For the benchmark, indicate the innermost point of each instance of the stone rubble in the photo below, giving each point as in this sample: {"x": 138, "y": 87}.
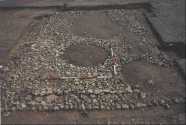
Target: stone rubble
{"x": 42, "y": 57}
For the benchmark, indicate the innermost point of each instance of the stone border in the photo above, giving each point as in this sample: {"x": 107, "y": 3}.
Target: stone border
{"x": 165, "y": 103}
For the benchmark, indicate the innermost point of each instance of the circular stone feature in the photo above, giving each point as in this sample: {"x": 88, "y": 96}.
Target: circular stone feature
{"x": 85, "y": 55}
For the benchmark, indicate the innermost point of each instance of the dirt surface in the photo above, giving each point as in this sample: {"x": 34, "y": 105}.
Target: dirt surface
{"x": 95, "y": 25}
{"x": 13, "y": 24}
{"x": 84, "y": 55}
{"x": 146, "y": 89}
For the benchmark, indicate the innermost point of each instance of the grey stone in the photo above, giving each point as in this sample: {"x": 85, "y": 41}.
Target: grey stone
{"x": 45, "y": 108}
{"x": 6, "y": 114}
{"x": 125, "y": 106}
{"x": 83, "y": 106}
{"x": 140, "y": 105}
{"x": 56, "y": 108}
{"x": 61, "y": 106}
{"x": 118, "y": 106}
{"x": 1, "y": 66}
{"x": 129, "y": 89}
{"x": 36, "y": 93}
{"x": 71, "y": 106}
{"x": 131, "y": 106}
{"x": 90, "y": 91}
{"x": 142, "y": 95}
{"x": 102, "y": 107}
{"x": 13, "y": 108}
{"x": 43, "y": 103}
{"x": 167, "y": 106}
{"x": 38, "y": 99}
{"x": 23, "y": 105}
{"x": 67, "y": 107}
{"x": 150, "y": 82}
{"x": 162, "y": 101}
{"x": 34, "y": 108}
{"x": 137, "y": 90}
{"x": 176, "y": 100}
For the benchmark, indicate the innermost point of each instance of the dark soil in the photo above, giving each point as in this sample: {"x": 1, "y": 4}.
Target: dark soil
{"x": 85, "y": 55}
{"x": 95, "y": 25}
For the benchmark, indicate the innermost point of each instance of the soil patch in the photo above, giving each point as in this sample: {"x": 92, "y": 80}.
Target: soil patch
{"x": 95, "y": 25}
{"x": 85, "y": 55}
{"x": 155, "y": 80}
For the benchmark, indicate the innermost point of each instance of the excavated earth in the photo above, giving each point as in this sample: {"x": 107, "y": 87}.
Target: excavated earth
{"x": 65, "y": 62}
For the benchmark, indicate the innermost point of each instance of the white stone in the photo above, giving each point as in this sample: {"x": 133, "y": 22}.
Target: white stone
{"x": 1, "y": 66}
{"x": 129, "y": 89}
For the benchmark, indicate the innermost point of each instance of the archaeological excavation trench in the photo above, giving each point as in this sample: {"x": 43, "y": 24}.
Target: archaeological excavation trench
{"x": 91, "y": 60}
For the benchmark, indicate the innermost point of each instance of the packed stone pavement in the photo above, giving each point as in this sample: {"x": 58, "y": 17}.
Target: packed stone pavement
{"x": 40, "y": 56}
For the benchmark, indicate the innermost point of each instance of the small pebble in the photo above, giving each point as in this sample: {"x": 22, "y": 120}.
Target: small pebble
{"x": 167, "y": 106}
{"x": 13, "y": 108}
{"x": 56, "y": 108}
{"x": 125, "y": 106}
{"x": 150, "y": 82}
{"x": 140, "y": 105}
{"x": 162, "y": 101}
{"x": 131, "y": 106}
{"x": 143, "y": 95}
{"x": 176, "y": 100}
{"x": 6, "y": 114}
{"x": 23, "y": 105}
{"x": 34, "y": 108}
{"x": 1, "y": 66}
